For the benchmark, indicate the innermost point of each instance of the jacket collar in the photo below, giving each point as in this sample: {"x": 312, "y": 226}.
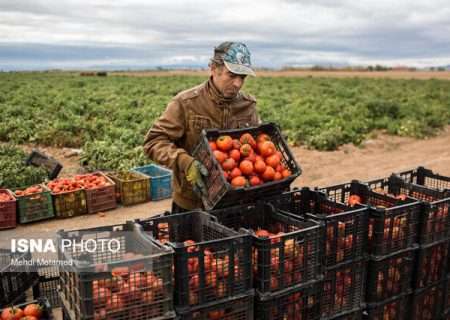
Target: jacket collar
{"x": 216, "y": 95}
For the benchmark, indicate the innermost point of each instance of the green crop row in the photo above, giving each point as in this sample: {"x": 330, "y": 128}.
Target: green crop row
{"x": 109, "y": 116}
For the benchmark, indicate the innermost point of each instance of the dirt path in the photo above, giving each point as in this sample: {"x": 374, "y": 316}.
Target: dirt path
{"x": 377, "y": 158}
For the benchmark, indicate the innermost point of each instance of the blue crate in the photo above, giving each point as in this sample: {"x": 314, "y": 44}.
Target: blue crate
{"x": 160, "y": 181}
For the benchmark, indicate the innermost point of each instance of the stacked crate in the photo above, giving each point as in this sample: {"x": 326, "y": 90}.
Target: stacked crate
{"x": 286, "y": 254}
{"x": 345, "y": 239}
{"x": 212, "y": 265}
{"x": 392, "y": 238}
{"x": 430, "y": 296}
{"x": 120, "y": 273}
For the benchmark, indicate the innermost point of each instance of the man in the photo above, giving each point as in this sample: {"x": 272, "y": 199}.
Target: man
{"x": 216, "y": 103}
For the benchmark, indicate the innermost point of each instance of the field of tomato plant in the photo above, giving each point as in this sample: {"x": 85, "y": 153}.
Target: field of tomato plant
{"x": 108, "y": 116}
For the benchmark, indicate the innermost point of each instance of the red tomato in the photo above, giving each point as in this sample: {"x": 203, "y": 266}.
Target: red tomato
{"x": 224, "y": 143}
{"x": 12, "y": 313}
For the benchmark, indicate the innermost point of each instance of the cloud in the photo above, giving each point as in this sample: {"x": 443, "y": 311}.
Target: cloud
{"x": 70, "y": 33}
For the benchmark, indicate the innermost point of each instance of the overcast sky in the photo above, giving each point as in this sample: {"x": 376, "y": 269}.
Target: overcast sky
{"x": 43, "y": 34}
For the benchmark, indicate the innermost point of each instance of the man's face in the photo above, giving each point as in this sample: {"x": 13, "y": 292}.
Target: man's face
{"x": 227, "y": 82}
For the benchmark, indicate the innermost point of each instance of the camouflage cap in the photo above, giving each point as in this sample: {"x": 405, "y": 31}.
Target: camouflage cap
{"x": 235, "y": 56}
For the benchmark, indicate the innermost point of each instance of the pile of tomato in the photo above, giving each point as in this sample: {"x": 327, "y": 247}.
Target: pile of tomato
{"x": 293, "y": 261}
{"x": 86, "y": 181}
{"x": 33, "y": 311}
{"x": 5, "y": 197}
{"x": 29, "y": 191}
{"x": 249, "y": 161}
{"x": 216, "y": 270}
{"x": 127, "y": 287}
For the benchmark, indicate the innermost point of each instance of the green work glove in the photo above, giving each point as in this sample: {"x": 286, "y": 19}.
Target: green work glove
{"x": 195, "y": 174}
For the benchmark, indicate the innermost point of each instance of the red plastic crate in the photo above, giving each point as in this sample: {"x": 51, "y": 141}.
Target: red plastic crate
{"x": 101, "y": 198}
{"x": 8, "y": 215}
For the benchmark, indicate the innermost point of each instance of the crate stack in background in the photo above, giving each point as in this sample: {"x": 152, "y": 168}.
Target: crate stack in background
{"x": 391, "y": 246}
{"x": 343, "y": 256}
{"x": 430, "y": 297}
{"x": 134, "y": 280}
{"x": 212, "y": 265}
{"x": 286, "y": 257}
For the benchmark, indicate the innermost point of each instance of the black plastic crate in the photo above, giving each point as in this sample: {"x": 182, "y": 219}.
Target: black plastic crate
{"x": 393, "y": 223}
{"x": 213, "y": 265}
{"x": 427, "y": 303}
{"x": 352, "y": 315}
{"x": 346, "y": 227}
{"x": 446, "y": 302}
{"x": 297, "y": 303}
{"x": 389, "y": 276}
{"x": 427, "y": 178}
{"x": 220, "y": 193}
{"x": 47, "y": 313}
{"x": 14, "y": 279}
{"x": 131, "y": 280}
{"x": 233, "y": 308}
{"x": 49, "y": 280}
{"x": 431, "y": 264}
{"x": 343, "y": 289}
{"x": 434, "y": 223}
{"x": 395, "y": 308}
{"x": 50, "y": 164}
{"x": 289, "y": 254}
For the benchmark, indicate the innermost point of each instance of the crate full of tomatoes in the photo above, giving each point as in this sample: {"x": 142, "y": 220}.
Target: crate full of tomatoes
{"x": 212, "y": 262}
{"x": 435, "y": 220}
{"x": 125, "y": 275}
{"x": 7, "y": 209}
{"x": 69, "y": 198}
{"x": 245, "y": 164}
{"x": 34, "y": 203}
{"x": 346, "y": 226}
{"x": 393, "y": 219}
{"x": 100, "y": 191}
{"x": 286, "y": 249}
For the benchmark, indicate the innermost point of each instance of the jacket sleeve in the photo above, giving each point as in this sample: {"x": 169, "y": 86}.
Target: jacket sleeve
{"x": 160, "y": 141}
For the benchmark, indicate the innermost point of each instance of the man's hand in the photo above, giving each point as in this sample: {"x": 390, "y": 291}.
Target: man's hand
{"x": 195, "y": 174}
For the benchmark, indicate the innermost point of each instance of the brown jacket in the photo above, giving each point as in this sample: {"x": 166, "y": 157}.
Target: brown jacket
{"x": 174, "y": 135}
